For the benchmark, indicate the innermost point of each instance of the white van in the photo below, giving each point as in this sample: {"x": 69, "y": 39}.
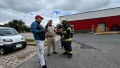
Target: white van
{"x": 10, "y": 40}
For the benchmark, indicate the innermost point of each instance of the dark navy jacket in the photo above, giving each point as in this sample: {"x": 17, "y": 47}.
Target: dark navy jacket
{"x": 37, "y": 31}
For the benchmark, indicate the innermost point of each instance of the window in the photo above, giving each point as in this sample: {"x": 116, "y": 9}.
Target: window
{"x": 7, "y": 32}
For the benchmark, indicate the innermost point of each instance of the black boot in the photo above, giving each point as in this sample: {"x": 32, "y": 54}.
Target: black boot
{"x": 44, "y": 66}
{"x": 48, "y": 54}
{"x": 69, "y": 56}
{"x": 65, "y": 53}
{"x": 55, "y": 52}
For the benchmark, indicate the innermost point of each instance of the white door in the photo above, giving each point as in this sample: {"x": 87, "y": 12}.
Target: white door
{"x": 101, "y": 27}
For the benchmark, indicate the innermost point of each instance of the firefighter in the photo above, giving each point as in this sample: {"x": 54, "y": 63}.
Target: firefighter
{"x": 67, "y": 38}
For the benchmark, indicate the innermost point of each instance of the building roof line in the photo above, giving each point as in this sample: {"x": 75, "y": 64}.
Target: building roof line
{"x": 91, "y": 11}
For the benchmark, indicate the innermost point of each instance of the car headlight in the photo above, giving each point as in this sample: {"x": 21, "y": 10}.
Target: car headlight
{"x": 7, "y": 40}
{"x": 1, "y": 44}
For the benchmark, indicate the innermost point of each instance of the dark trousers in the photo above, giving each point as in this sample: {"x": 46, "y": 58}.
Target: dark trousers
{"x": 62, "y": 42}
{"x": 68, "y": 47}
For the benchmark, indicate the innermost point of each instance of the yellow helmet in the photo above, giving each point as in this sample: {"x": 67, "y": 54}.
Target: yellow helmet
{"x": 63, "y": 20}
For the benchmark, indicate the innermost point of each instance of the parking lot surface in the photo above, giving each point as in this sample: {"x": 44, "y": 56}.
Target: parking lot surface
{"x": 89, "y": 51}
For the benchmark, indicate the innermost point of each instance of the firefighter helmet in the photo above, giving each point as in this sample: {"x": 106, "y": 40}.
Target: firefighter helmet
{"x": 63, "y": 20}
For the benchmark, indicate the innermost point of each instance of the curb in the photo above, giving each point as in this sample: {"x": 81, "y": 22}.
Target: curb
{"x": 31, "y": 44}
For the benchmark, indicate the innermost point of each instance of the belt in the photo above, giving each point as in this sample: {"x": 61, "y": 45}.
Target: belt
{"x": 49, "y": 36}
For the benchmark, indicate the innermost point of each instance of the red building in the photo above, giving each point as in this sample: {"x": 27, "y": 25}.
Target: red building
{"x": 101, "y": 20}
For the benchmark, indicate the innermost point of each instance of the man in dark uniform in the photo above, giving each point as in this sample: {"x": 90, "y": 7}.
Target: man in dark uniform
{"x": 67, "y": 37}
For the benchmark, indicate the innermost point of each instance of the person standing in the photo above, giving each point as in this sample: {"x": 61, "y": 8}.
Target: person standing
{"x": 67, "y": 38}
{"x": 39, "y": 35}
{"x": 50, "y": 34}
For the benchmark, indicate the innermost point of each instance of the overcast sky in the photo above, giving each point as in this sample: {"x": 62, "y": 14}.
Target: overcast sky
{"x": 26, "y": 10}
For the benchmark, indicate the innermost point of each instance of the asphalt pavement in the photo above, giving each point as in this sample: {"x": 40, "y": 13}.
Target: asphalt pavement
{"x": 89, "y": 51}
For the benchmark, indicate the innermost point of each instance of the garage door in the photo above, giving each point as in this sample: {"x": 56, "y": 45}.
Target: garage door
{"x": 101, "y": 26}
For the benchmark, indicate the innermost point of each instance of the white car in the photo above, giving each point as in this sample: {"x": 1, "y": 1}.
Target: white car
{"x": 10, "y": 40}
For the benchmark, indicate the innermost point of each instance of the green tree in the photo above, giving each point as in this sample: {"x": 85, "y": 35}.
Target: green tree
{"x": 19, "y": 25}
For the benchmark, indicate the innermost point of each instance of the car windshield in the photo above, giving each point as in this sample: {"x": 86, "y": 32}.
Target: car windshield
{"x": 7, "y": 32}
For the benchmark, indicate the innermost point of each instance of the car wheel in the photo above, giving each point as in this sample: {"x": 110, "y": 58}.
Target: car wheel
{"x": 2, "y": 51}
{"x": 24, "y": 46}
